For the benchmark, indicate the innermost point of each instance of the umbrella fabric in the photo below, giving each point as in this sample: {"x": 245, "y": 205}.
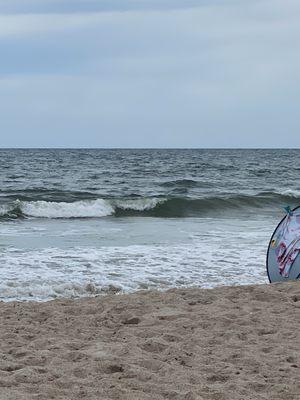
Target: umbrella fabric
{"x": 287, "y": 243}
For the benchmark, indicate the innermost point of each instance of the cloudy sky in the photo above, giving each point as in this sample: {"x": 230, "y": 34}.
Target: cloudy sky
{"x": 149, "y": 73}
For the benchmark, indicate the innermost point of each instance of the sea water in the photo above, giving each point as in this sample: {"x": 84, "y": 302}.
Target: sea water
{"x": 86, "y": 222}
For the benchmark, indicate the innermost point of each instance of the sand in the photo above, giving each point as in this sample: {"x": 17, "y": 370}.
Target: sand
{"x": 225, "y": 343}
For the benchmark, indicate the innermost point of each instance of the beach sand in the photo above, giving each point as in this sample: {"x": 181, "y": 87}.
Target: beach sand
{"x": 225, "y": 343}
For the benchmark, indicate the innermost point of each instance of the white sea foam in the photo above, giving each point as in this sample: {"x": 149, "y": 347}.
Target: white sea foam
{"x": 224, "y": 253}
{"x": 81, "y": 209}
{"x": 138, "y": 204}
{"x": 290, "y": 192}
{"x": 5, "y": 208}
{"x": 78, "y": 209}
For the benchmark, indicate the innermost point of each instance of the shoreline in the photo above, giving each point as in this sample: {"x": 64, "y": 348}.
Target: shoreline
{"x": 229, "y": 342}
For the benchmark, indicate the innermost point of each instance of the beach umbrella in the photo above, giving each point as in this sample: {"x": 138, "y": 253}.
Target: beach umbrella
{"x": 283, "y": 260}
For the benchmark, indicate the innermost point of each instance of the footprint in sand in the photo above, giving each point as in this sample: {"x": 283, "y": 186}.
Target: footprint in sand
{"x": 154, "y": 347}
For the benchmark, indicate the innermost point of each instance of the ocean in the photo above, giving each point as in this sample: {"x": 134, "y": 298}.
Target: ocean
{"x": 85, "y": 222}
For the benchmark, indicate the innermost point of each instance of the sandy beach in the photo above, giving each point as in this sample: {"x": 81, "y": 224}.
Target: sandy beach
{"x": 225, "y": 343}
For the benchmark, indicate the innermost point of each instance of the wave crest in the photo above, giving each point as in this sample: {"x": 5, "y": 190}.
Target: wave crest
{"x": 172, "y": 207}
{"x": 78, "y": 209}
{"x": 142, "y": 204}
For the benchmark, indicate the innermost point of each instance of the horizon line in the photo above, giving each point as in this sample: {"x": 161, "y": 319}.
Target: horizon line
{"x": 149, "y": 148}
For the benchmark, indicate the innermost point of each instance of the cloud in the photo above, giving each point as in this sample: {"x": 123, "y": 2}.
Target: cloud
{"x": 220, "y": 74}
{"x": 79, "y": 6}
{"x": 18, "y": 25}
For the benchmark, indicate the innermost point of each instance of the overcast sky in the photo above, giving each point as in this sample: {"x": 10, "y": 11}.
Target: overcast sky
{"x": 149, "y": 73}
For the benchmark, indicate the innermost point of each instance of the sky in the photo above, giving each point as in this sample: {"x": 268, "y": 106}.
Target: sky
{"x": 149, "y": 73}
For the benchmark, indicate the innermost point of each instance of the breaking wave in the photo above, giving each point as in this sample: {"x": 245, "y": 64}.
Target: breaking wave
{"x": 290, "y": 192}
{"x": 78, "y": 209}
{"x": 154, "y": 207}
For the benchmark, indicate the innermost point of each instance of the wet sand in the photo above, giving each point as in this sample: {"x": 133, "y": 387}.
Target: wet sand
{"x": 230, "y": 343}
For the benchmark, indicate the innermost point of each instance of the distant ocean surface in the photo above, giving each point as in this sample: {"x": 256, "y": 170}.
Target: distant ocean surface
{"x": 84, "y": 222}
